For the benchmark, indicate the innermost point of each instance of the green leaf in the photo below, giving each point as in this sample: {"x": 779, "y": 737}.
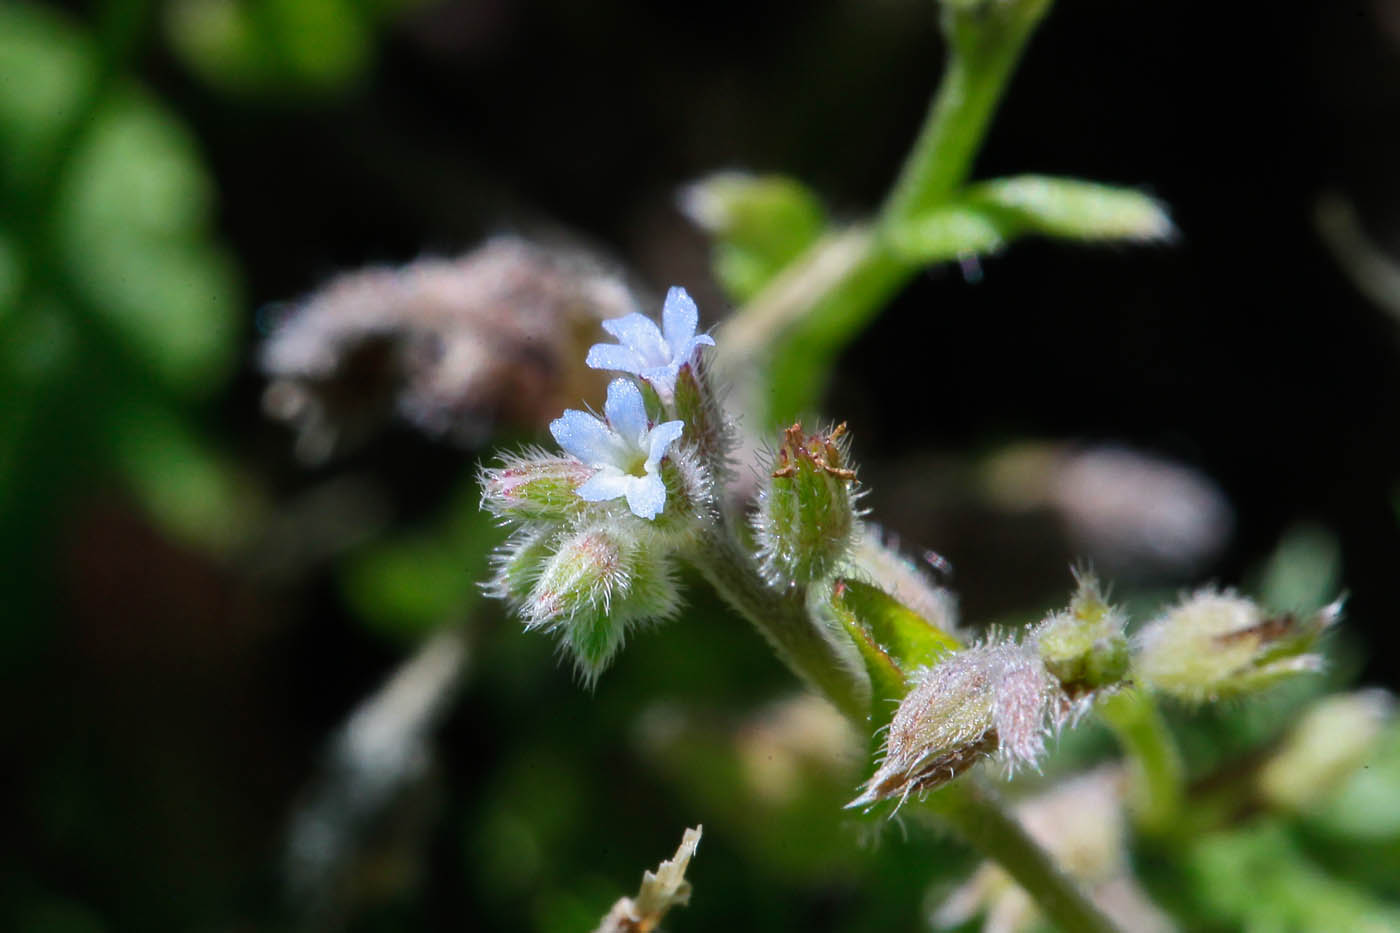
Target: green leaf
{"x": 1304, "y": 573}
{"x": 182, "y": 482}
{"x": 892, "y": 640}
{"x": 407, "y": 587}
{"x": 132, "y": 218}
{"x": 46, "y": 69}
{"x": 759, "y": 223}
{"x": 1259, "y": 878}
{"x": 276, "y": 47}
{"x": 985, "y": 217}
{"x": 903, "y": 634}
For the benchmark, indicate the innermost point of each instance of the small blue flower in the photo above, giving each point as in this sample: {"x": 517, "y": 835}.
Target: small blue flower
{"x": 624, "y": 450}
{"x": 652, "y": 353}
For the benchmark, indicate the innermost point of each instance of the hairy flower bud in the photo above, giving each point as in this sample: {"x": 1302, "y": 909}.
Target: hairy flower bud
{"x": 1084, "y": 647}
{"x": 709, "y": 430}
{"x": 534, "y": 486}
{"x": 806, "y": 517}
{"x": 1214, "y": 645}
{"x": 994, "y": 698}
{"x": 518, "y": 563}
{"x": 596, "y": 584}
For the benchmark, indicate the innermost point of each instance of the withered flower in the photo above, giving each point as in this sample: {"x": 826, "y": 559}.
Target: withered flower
{"x": 451, "y": 346}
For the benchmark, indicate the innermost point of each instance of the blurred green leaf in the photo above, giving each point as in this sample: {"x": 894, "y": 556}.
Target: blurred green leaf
{"x": 1367, "y": 807}
{"x": 1259, "y": 879}
{"x": 131, "y": 220}
{"x": 985, "y": 217}
{"x": 759, "y": 225}
{"x": 275, "y": 46}
{"x": 46, "y": 69}
{"x": 1304, "y": 573}
{"x": 114, "y": 299}
{"x": 407, "y": 587}
{"x": 193, "y": 492}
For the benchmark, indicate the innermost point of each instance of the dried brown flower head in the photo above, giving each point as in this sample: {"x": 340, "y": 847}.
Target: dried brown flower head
{"x": 451, "y": 346}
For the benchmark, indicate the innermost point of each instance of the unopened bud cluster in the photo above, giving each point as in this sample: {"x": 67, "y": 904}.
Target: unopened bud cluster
{"x": 597, "y": 530}
{"x": 1001, "y": 698}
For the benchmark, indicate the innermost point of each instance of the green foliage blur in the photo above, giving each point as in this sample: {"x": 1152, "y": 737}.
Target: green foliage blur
{"x": 191, "y": 620}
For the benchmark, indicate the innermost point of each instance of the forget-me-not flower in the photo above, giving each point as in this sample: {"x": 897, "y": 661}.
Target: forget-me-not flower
{"x": 653, "y": 353}
{"x": 625, "y": 450}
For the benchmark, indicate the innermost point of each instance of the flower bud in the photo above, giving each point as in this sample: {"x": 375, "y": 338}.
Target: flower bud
{"x": 1215, "y": 645}
{"x": 994, "y": 698}
{"x": 708, "y": 430}
{"x": 518, "y": 563}
{"x": 535, "y": 487}
{"x": 1084, "y": 647}
{"x": 596, "y": 584}
{"x": 806, "y": 517}
{"x": 1332, "y": 740}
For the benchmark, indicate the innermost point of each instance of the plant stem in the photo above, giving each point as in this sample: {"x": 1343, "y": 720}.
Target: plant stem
{"x": 784, "y": 620}
{"x": 833, "y": 290}
{"x": 981, "y": 819}
{"x": 975, "y": 813}
{"x": 1158, "y": 781}
{"x": 985, "y": 43}
{"x": 825, "y": 295}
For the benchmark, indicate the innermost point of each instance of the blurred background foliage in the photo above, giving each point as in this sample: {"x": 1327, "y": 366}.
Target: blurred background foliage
{"x": 201, "y": 633}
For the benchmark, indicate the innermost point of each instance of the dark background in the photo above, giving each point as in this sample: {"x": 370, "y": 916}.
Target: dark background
{"x": 1242, "y": 349}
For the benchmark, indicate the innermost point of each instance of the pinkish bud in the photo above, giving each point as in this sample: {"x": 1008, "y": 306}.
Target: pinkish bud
{"x": 534, "y": 487}
{"x": 994, "y": 698}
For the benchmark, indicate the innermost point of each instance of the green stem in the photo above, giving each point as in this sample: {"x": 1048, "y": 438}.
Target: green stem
{"x": 784, "y": 620}
{"x": 982, "y": 820}
{"x": 975, "y": 813}
{"x": 1158, "y": 786}
{"x": 824, "y": 296}
{"x": 986, "y": 40}
{"x": 838, "y": 285}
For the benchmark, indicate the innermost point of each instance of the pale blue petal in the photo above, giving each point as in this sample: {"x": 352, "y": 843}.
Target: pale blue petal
{"x": 604, "y": 485}
{"x": 640, "y": 334}
{"x": 585, "y": 437}
{"x": 646, "y": 495}
{"x": 679, "y": 316}
{"x": 616, "y": 357}
{"x": 662, "y": 437}
{"x": 699, "y": 340}
{"x": 662, "y": 378}
{"x": 626, "y": 412}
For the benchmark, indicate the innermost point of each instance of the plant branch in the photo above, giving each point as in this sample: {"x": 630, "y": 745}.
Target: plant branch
{"x": 1157, "y": 777}
{"x": 982, "y": 820}
{"x": 784, "y": 620}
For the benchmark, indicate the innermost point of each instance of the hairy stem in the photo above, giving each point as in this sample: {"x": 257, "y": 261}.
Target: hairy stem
{"x": 810, "y": 310}
{"x": 982, "y": 820}
{"x": 1157, "y": 777}
{"x": 783, "y": 619}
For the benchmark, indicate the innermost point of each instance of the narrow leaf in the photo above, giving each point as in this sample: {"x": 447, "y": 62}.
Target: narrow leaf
{"x": 985, "y": 217}
{"x": 887, "y": 681}
{"x": 909, "y": 639}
